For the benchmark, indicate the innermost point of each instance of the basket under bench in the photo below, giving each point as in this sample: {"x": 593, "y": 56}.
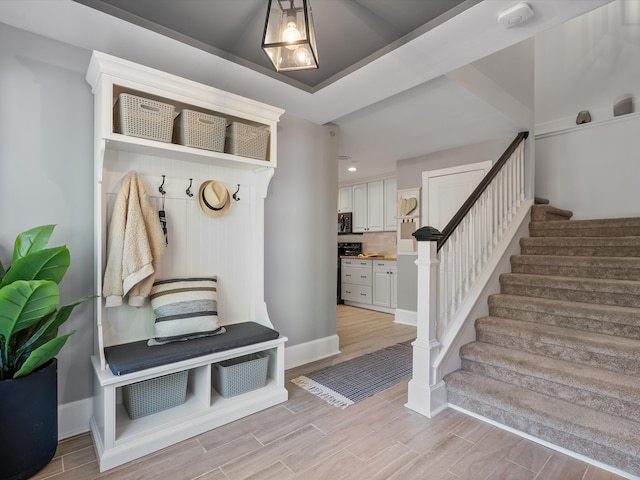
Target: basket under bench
{"x": 119, "y": 439}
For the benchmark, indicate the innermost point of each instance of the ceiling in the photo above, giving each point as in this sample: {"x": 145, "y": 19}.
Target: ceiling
{"x": 348, "y": 32}
{"x": 385, "y": 65}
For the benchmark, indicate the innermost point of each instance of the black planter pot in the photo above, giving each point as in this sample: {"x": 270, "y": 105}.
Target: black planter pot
{"x": 28, "y": 422}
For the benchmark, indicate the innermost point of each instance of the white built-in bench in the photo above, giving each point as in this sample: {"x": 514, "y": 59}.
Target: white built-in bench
{"x": 230, "y": 247}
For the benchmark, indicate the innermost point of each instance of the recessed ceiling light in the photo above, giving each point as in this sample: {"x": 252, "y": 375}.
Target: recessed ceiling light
{"x": 352, "y": 169}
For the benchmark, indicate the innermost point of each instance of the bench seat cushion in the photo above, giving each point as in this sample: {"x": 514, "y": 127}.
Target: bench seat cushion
{"x": 131, "y": 357}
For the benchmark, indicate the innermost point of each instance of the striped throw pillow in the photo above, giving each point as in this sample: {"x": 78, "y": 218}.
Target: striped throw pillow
{"x": 185, "y": 308}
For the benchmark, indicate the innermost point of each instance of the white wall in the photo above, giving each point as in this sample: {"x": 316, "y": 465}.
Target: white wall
{"x": 300, "y": 238}
{"x": 46, "y": 174}
{"x": 586, "y": 64}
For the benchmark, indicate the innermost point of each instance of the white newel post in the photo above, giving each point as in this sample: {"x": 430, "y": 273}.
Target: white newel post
{"x": 426, "y": 394}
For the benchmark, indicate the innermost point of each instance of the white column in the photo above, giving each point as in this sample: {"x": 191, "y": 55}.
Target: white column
{"x": 426, "y": 394}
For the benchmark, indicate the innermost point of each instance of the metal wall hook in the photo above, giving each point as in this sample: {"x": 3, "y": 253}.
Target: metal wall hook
{"x": 188, "y": 191}
{"x": 235, "y": 195}
{"x": 162, "y": 190}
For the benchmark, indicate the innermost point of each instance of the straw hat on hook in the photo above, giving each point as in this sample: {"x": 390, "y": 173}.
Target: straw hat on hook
{"x": 214, "y": 198}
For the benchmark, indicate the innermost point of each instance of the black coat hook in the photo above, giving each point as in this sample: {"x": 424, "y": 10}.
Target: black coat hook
{"x": 188, "y": 192}
{"x": 162, "y": 190}
{"x": 235, "y": 195}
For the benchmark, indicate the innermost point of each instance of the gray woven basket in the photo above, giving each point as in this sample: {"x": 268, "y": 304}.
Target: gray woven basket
{"x": 154, "y": 395}
{"x": 241, "y": 374}
{"x": 142, "y": 117}
{"x": 200, "y": 130}
{"x": 247, "y": 140}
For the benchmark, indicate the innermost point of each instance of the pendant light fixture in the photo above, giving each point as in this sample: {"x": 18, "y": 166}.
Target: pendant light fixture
{"x": 289, "y": 39}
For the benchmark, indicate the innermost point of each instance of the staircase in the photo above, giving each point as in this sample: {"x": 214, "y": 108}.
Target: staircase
{"x": 558, "y": 357}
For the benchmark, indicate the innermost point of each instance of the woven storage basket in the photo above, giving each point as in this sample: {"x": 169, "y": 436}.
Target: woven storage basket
{"x": 241, "y": 374}
{"x": 247, "y": 141}
{"x": 141, "y": 117}
{"x": 200, "y": 130}
{"x": 154, "y": 395}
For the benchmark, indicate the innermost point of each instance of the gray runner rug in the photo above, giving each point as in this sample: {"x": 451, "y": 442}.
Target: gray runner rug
{"x": 349, "y": 382}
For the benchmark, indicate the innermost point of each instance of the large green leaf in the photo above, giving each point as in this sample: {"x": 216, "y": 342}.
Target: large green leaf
{"x": 31, "y": 241}
{"x": 49, "y": 329}
{"x": 42, "y": 355}
{"x": 24, "y": 303}
{"x": 48, "y": 264}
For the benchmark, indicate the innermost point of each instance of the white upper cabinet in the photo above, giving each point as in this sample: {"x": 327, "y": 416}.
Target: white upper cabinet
{"x": 345, "y": 199}
{"x": 374, "y": 206}
{"x": 390, "y": 210}
{"x": 375, "y": 203}
{"x": 360, "y": 221}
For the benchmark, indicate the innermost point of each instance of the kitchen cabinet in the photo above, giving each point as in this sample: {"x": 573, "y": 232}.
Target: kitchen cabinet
{"x": 237, "y": 257}
{"x": 385, "y": 283}
{"x": 345, "y": 200}
{"x": 390, "y": 205}
{"x": 369, "y": 283}
{"x": 356, "y": 280}
{"x": 369, "y": 207}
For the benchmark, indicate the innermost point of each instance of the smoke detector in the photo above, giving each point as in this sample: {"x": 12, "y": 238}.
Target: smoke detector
{"x": 515, "y": 15}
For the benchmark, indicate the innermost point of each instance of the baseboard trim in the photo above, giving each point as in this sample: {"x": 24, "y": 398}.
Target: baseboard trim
{"x": 550, "y": 445}
{"x": 312, "y": 351}
{"x": 74, "y": 418}
{"x": 406, "y": 317}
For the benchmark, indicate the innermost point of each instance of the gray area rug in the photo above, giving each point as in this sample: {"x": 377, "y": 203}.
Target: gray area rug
{"x": 349, "y": 382}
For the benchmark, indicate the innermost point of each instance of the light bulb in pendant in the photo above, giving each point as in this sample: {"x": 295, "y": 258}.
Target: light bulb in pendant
{"x": 302, "y": 57}
{"x": 291, "y": 34}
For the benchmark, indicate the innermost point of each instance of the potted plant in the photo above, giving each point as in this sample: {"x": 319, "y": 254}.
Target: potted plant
{"x": 29, "y": 342}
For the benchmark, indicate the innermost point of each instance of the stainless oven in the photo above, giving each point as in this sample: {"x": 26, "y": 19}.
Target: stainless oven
{"x": 346, "y": 249}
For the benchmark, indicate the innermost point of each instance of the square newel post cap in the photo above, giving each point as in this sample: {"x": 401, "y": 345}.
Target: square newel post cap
{"x": 427, "y": 234}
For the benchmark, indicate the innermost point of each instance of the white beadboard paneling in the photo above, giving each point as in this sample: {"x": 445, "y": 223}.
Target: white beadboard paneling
{"x": 198, "y": 245}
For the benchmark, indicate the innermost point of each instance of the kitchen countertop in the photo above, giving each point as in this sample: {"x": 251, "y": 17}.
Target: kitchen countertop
{"x": 377, "y": 257}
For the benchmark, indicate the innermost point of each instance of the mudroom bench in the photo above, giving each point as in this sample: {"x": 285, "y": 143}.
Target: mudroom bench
{"x": 204, "y": 408}
{"x": 149, "y": 397}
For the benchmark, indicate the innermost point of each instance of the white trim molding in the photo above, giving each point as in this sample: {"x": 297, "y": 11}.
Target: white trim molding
{"x": 312, "y": 351}
{"x": 406, "y": 317}
{"x": 74, "y": 418}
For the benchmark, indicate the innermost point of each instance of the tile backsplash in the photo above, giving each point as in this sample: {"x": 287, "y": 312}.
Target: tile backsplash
{"x": 382, "y": 243}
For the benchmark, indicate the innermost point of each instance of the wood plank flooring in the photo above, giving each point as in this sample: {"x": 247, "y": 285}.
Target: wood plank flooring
{"x": 305, "y": 437}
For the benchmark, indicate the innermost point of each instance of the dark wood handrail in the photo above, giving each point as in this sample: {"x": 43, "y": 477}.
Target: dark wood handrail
{"x": 479, "y": 190}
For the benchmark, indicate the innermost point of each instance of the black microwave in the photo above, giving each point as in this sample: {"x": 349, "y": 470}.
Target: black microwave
{"x": 344, "y": 223}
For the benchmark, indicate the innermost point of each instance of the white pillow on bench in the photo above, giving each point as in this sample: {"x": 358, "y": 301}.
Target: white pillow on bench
{"x": 185, "y": 308}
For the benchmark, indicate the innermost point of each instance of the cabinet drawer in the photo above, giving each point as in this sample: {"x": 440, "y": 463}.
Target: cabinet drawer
{"x": 356, "y": 276}
{"x": 385, "y": 264}
{"x": 356, "y": 293}
{"x": 356, "y": 262}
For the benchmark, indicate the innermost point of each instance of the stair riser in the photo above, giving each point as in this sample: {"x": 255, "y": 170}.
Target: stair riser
{"x": 604, "y": 361}
{"x": 582, "y": 251}
{"x": 549, "y": 231}
{"x": 585, "y": 296}
{"x": 625, "y": 407}
{"x": 583, "y": 446}
{"x": 577, "y": 271}
{"x": 566, "y": 321}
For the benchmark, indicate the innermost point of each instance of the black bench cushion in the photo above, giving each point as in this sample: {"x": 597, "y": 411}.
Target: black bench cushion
{"x": 131, "y": 357}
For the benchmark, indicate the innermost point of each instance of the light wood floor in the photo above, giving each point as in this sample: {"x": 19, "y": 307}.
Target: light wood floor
{"x": 306, "y": 438}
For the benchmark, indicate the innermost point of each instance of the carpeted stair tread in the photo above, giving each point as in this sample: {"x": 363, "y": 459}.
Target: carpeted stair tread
{"x": 603, "y": 437}
{"x": 589, "y": 290}
{"x": 544, "y": 213}
{"x": 610, "y": 227}
{"x": 621, "y": 268}
{"x": 607, "y": 391}
{"x": 582, "y": 246}
{"x": 605, "y": 351}
{"x": 604, "y": 319}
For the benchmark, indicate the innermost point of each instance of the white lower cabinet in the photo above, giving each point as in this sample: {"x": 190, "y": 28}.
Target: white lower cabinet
{"x": 369, "y": 284}
{"x": 385, "y": 283}
{"x": 356, "y": 281}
